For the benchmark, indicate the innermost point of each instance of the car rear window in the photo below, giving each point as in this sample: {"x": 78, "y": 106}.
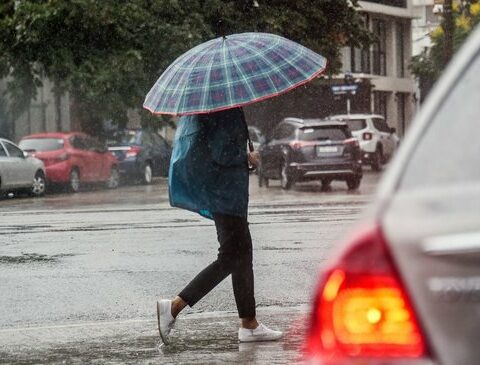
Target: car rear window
{"x": 357, "y": 124}
{"x": 41, "y": 144}
{"x": 448, "y": 153}
{"x": 323, "y": 134}
{"x": 124, "y": 137}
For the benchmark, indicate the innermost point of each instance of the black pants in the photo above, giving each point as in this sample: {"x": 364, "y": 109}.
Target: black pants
{"x": 234, "y": 257}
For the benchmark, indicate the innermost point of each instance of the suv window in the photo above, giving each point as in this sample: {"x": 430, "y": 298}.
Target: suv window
{"x": 158, "y": 140}
{"x": 146, "y": 139}
{"x": 442, "y": 156}
{"x": 284, "y": 131}
{"x": 41, "y": 144}
{"x": 2, "y": 151}
{"x": 327, "y": 133}
{"x": 13, "y": 151}
{"x": 357, "y": 124}
{"x": 381, "y": 125}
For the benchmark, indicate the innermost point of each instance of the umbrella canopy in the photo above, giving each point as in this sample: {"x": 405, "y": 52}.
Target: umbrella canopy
{"x": 232, "y": 71}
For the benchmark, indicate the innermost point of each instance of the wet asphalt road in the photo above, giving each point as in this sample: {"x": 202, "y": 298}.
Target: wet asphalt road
{"x": 80, "y": 273}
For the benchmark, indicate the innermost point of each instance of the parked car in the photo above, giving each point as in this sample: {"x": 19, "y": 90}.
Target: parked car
{"x": 311, "y": 149}
{"x": 18, "y": 171}
{"x": 73, "y": 159}
{"x": 378, "y": 141}
{"x": 141, "y": 153}
{"x": 256, "y": 136}
{"x": 404, "y": 288}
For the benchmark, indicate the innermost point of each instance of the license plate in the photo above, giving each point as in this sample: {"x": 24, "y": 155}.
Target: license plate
{"x": 327, "y": 149}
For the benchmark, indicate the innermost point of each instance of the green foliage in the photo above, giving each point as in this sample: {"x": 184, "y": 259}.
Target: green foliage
{"x": 108, "y": 53}
{"x": 428, "y": 66}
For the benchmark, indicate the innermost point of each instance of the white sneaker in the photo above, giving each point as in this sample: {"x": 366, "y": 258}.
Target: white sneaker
{"x": 261, "y": 333}
{"x": 165, "y": 319}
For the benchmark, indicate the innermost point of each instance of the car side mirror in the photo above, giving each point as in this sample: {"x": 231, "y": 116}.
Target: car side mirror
{"x": 25, "y": 154}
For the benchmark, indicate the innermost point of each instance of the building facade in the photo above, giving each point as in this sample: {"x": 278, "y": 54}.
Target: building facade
{"x": 45, "y": 114}
{"x": 384, "y": 66}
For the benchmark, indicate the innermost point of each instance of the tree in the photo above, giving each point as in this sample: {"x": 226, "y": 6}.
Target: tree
{"x": 108, "y": 53}
{"x": 428, "y": 66}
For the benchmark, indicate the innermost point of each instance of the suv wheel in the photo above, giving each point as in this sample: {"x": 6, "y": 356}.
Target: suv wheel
{"x": 114, "y": 179}
{"x": 354, "y": 182}
{"x": 74, "y": 181}
{"x": 326, "y": 184}
{"x": 147, "y": 173}
{"x": 39, "y": 184}
{"x": 286, "y": 179}
{"x": 377, "y": 160}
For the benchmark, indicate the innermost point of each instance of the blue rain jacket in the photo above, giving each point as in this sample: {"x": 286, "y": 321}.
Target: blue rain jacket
{"x": 209, "y": 166}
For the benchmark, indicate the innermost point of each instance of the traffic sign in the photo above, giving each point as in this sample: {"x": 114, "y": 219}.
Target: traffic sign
{"x": 344, "y": 89}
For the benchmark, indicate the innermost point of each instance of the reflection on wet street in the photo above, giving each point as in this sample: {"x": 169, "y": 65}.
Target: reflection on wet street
{"x": 81, "y": 273}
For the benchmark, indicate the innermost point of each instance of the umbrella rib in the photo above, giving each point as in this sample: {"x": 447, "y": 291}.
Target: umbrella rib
{"x": 186, "y": 86}
{"x": 234, "y": 62}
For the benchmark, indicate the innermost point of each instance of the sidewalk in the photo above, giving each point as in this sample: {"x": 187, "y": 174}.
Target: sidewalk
{"x": 207, "y": 338}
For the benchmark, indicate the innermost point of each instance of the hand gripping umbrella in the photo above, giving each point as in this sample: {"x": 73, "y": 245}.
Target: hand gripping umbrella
{"x": 232, "y": 71}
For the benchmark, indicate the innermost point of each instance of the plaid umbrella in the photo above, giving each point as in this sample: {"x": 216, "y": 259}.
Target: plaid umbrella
{"x": 232, "y": 71}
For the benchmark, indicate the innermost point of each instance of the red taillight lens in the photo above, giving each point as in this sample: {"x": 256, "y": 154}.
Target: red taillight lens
{"x": 362, "y": 308}
{"x": 351, "y": 142}
{"x": 367, "y": 136}
{"x": 132, "y": 151}
{"x": 300, "y": 144}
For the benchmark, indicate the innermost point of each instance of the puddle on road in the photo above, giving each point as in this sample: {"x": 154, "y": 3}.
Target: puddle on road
{"x": 27, "y": 258}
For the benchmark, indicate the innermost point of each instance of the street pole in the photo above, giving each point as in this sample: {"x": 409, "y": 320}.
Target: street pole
{"x": 348, "y": 104}
{"x": 448, "y": 29}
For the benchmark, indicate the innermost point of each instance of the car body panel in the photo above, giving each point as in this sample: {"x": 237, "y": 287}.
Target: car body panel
{"x": 428, "y": 208}
{"x": 434, "y": 230}
{"x": 16, "y": 170}
{"x": 79, "y": 151}
{"x": 152, "y": 149}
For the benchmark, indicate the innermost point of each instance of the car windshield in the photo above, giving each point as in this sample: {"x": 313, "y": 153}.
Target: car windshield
{"x": 447, "y": 154}
{"x": 124, "y": 137}
{"x": 357, "y": 124}
{"x": 41, "y": 144}
{"x": 323, "y": 134}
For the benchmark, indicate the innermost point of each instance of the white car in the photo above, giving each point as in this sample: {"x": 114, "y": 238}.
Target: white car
{"x": 377, "y": 140}
{"x": 19, "y": 171}
{"x": 405, "y": 287}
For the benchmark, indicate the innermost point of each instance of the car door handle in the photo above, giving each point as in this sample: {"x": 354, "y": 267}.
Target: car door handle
{"x": 465, "y": 244}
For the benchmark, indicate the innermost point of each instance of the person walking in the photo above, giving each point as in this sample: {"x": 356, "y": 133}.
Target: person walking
{"x": 209, "y": 175}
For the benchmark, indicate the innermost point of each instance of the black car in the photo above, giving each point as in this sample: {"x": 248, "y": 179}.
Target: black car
{"x": 141, "y": 153}
{"x": 311, "y": 149}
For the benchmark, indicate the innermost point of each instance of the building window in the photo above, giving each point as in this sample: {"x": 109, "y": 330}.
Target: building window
{"x": 360, "y": 58}
{"x": 379, "y": 47}
{"x": 380, "y": 103}
{"x": 400, "y": 49}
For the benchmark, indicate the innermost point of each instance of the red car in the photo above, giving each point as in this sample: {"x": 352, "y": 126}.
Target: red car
{"x": 73, "y": 158}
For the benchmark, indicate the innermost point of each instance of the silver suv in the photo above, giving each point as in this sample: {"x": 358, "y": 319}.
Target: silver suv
{"x": 377, "y": 140}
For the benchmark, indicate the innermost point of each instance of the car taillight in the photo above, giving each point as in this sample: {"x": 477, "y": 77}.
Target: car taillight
{"x": 351, "y": 142}
{"x": 362, "y": 309}
{"x": 132, "y": 151}
{"x": 367, "y": 136}
{"x": 300, "y": 144}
